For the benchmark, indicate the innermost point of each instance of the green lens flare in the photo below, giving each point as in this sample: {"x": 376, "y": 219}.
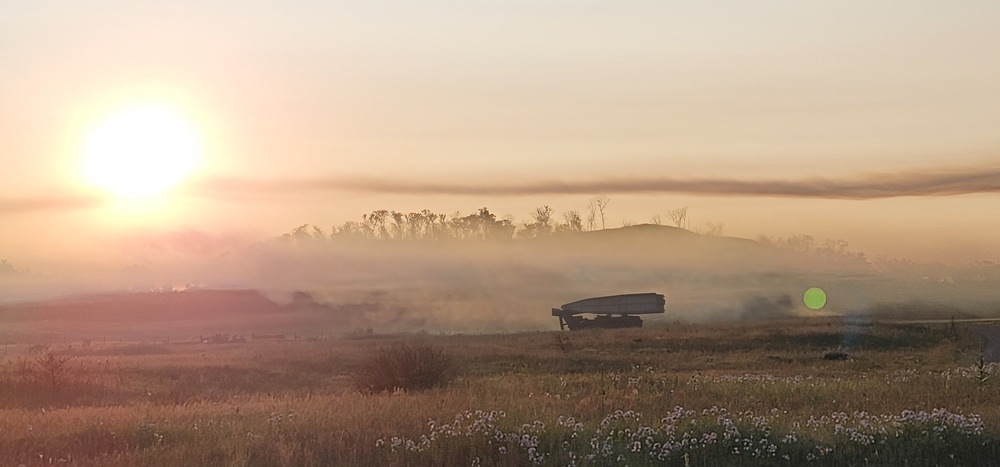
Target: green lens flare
{"x": 814, "y": 298}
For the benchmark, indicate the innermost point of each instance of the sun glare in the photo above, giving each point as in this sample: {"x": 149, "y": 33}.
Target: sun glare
{"x": 141, "y": 152}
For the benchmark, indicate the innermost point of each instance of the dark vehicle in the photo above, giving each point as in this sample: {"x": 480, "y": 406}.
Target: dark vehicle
{"x": 614, "y": 311}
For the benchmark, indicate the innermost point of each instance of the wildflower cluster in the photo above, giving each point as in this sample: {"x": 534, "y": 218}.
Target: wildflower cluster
{"x": 480, "y": 429}
{"x": 972, "y": 372}
{"x": 751, "y": 378}
{"x": 711, "y": 434}
{"x": 979, "y": 372}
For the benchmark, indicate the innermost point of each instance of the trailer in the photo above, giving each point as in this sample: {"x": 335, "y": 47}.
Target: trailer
{"x": 615, "y": 311}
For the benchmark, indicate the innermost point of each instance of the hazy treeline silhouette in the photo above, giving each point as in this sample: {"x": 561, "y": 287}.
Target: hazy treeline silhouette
{"x": 427, "y": 225}
{"x": 383, "y": 224}
{"x": 424, "y": 225}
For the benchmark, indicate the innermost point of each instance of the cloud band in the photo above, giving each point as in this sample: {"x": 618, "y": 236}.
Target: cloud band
{"x": 930, "y": 182}
{"x": 938, "y": 182}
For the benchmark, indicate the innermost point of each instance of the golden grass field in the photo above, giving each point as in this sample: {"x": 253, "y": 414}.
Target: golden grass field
{"x": 750, "y": 393}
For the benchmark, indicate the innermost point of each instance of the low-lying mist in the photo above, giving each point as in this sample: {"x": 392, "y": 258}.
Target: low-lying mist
{"x": 340, "y": 284}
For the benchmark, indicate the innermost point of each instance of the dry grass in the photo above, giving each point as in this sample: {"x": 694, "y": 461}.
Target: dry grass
{"x": 294, "y": 402}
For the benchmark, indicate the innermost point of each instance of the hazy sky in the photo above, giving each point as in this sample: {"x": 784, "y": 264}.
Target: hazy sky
{"x": 776, "y": 118}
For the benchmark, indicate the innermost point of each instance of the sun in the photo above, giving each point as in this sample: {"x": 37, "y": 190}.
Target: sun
{"x": 140, "y": 152}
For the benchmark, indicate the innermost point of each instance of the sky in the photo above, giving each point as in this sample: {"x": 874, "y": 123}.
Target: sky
{"x": 871, "y": 122}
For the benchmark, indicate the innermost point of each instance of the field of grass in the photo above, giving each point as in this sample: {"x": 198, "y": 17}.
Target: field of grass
{"x": 749, "y": 393}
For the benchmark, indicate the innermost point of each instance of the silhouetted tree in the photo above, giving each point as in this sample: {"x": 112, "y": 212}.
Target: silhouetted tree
{"x": 801, "y": 243}
{"x": 591, "y": 215}
{"x": 679, "y": 217}
{"x": 599, "y": 204}
{"x": 483, "y": 225}
{"x": 435, "y": 225}
{"x": 398, "y": 228}
{"x": 493, "y": 228}
{"x": 543, "y": 216}
{"x": 303, "y": 234}
{"x": 715, "y": 229}
{"x": 767, "y": 241}
{"x": 573, "y": 222}
{"x": 832, "y": 251}
{"x": 414, "y": 225}
{"x": 542, "y": 224}
{"x": 834, "y": 247}
{"x": 461, "y": 226}
{"x": 377, "y": 222}
{"x": 442, "y": 230}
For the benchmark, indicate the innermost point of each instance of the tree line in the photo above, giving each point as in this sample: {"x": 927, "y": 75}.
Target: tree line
{"x": 384, "y": 224}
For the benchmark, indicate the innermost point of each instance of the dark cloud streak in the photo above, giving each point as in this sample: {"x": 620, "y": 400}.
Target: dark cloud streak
{"x": 931, "y": 182}
{"x": 947, "y": 181}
